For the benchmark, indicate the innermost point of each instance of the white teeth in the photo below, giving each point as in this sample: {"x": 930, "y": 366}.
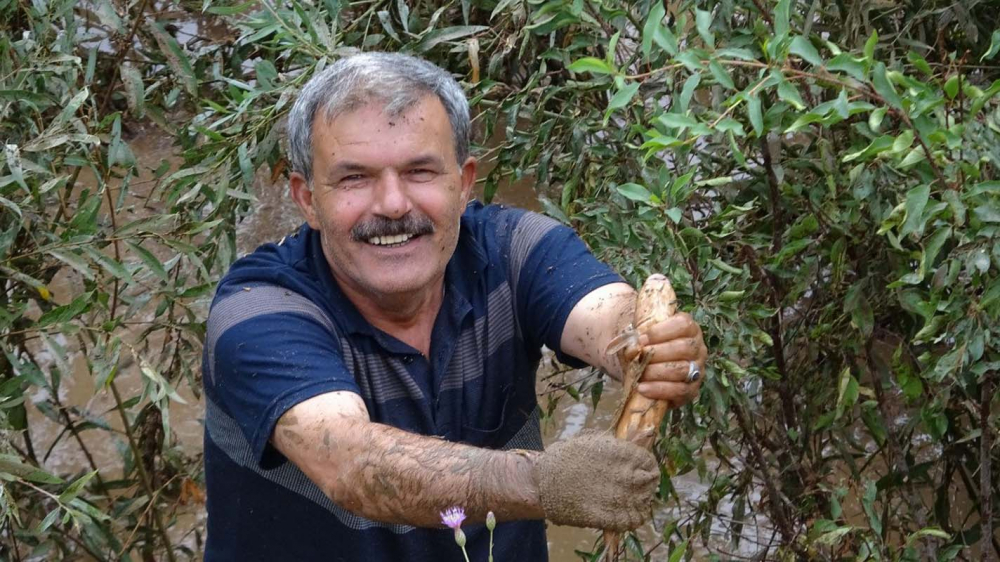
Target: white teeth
{"x": 389, "y": 240}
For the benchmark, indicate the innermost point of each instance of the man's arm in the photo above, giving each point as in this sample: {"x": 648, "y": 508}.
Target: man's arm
{"x": 605, "y": 312}
{"x": 390, "y": 475}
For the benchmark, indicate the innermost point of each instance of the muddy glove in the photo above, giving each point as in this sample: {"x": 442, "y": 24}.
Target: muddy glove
{"x": 597, "y": 481}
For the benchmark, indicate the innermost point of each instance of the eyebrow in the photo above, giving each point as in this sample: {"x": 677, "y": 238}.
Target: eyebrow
{"x": 426, "y": 160}
{"x": 348, "y": 166}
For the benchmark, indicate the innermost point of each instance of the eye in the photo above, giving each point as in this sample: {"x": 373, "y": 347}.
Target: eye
{"x": 351, "y": 180}
{"x": 422, "y": 174}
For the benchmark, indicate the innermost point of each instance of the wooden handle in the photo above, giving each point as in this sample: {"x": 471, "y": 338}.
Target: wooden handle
{"x": 640, "y": 417}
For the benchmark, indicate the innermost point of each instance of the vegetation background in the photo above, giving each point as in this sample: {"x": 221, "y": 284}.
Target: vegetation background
{"x": 819, "y": 179}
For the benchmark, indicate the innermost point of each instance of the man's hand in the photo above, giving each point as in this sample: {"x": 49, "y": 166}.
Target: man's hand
{"x": 672, "y": 345}
{"x": 597, "y": 481}
{"x": 603, "y": 314}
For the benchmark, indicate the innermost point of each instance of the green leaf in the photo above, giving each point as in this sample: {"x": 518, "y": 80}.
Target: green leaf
{"x": 703, "y": 21}
{"x": 677, "y": 555}
{"x": 621, "y": 99}
{"x": 884, "y": 87}
{"x": 149, "y": 260}
{"x": 108, "y": 16}
{"x": 12, "y": 465}
{"x": 856, "y": 304}
{"x": 109, "y": 264}
{"x": 919, "y": 62}
{"x": 666, "y": 39}
{"x": 790, "y": 94}
{"x": 438, "y": 36}
{"x": 12, "y": 206}
{"x": 877, "y": 146}
{"x": 916, "y": 200}
{"x": 635, "y": 192}
{"x": 74, "y": 261}
{"x": 804, "y": 121}
{"x": 74, "y": 489}
{"x": 721, "y": 75}
{"x": 70, "y": 109}
{"x": 653, "y": 21}
{"x": 852, "y": 66}
{"x": 870, "y": 45}
{"x": 754, "y": 113}
{"x": 715, "y": 182}
{"x": 385, "y": 18}
{"x": 915, "y": 156}
{"x": 875, "y": 119}
{"x": 832, "y": 538}
{"x": 177, "y": 59}
{"x": 802, "y": 47}
{"x": 135, "y": 92}
{"x": 934, "y": 244}
{"x": 230, "y": 10}
{"x": 847, "y": 392}
{"x": 781, "y": 18}
{"x": 994, "y": 46}
{"x": 677, "y": 120}
{"x": 591, "y": 64}
{"x": 687, "y": 92}
{"x": 903, "y": 141}
{"x": 67, "y": 312}
{"x": 951, "y": 87}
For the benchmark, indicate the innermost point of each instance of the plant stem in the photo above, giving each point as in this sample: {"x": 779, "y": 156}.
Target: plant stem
{"x": 143, "y": 475}
{"x": 986, "y": 466}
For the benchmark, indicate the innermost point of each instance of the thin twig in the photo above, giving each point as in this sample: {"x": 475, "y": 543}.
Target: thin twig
{"x": 986, "y": 464}
{"x": 144, "y": 477}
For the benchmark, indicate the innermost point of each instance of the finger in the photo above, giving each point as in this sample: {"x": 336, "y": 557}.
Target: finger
{"x": 680, "y": 325}
{"x": 675, "y": 393}
{"x": 670, "y": 371}
{"x": 684, "y": 349}
{"x": 630, "y": 352}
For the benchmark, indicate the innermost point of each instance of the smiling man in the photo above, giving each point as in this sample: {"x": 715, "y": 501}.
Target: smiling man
{"x": 378, "y": 367}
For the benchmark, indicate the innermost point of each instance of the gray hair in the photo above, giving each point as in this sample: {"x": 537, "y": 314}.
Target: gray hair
{"x": 396, "y": 80}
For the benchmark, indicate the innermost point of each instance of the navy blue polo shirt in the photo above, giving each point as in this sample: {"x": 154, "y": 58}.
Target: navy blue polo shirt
{"x": 281, "y": 331}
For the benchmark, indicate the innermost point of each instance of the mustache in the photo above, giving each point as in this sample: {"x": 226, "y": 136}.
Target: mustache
{"x": 411, "y": 224}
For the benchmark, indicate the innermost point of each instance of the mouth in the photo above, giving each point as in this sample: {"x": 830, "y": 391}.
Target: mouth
{"x": 394, "y": 241}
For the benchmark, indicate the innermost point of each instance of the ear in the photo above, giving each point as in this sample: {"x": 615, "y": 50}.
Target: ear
{"x": 303, "y": 197}
{"x": 468, "y": 178}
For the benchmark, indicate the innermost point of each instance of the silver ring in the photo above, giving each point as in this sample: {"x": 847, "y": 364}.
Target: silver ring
{"x": 694, "y": 373}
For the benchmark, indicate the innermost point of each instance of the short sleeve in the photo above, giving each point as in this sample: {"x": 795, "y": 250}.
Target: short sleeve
{"x": 268, "y": 349}
{"x": 551, "y": 270}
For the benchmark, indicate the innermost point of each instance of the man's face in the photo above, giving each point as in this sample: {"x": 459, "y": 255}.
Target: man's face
{"x": 386, "y": 196}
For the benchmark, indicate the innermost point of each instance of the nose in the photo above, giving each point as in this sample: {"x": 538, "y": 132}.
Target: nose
{"x": 391, "y": 199}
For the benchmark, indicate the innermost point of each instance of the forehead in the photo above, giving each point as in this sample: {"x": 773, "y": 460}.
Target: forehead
{"x": 424, "y": 123}
{"x": 424, "y": 113}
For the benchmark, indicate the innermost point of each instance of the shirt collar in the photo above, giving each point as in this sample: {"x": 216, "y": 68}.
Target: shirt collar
{"x": 463, "y": 273}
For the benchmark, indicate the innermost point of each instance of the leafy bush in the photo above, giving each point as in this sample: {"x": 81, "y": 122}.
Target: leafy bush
{"x": 819, "y": 180}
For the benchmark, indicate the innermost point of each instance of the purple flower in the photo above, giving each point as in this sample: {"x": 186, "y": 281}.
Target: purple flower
{"x": 453, "y": 517}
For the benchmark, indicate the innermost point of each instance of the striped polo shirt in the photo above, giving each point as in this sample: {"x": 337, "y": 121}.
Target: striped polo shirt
{"x": 281, "y": 331}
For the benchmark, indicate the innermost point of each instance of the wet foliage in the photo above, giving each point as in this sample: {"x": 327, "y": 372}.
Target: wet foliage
{"x": 819, "y": 180}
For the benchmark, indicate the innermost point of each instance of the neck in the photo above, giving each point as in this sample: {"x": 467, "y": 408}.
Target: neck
{"x": 408, "y": 317}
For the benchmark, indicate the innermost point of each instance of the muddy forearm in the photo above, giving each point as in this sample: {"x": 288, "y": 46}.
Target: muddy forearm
{"x": 597, "y": 319}
{"x": 390, "y": 475}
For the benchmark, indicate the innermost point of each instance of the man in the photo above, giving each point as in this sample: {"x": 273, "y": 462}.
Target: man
{"x": 378, "y": 367}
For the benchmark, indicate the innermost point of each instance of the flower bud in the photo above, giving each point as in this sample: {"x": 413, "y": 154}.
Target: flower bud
{"x": 460, "y": 538}
{"x": 491, "y": 521}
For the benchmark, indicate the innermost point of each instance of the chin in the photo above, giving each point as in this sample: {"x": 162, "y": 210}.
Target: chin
{"x": 392, "y": 283}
